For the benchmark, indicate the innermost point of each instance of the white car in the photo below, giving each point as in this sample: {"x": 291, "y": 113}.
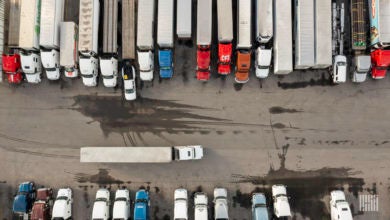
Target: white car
{"x": 181, "y": 205}
{"x": 221, "y": 211}
{"x": 101, "y": 207}
{"x": 339, "y": 207}
{"x": 62, "y": 208}
{"x": 128, "y": 75}
{"x": 339, "y": 73}
{"x": 281, "y": 205}
{"x": 201, "y": 212}
{"x": 121, "y": 208}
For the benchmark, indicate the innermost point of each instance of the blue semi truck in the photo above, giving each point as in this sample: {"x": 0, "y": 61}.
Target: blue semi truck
{"x": 24, "y": 200}
{"x": 165, "y": 38}
{"x": 141, "y": 206}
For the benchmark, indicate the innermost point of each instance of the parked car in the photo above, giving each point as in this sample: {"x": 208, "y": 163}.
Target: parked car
{"x": 121, "y": 210}
{"x": 128, "y": 75}
{"x": 101, "y": 207}
{"x": 141, "y": 206}
{"x": 181, "y": 205}
{"x": 221, "y": 211}
{"x": 201, "y": 212}
{"x": 41, "y": 207}
{"x": 281, "y": 204}
{"x": 259, "y": 207}
{"x": 24, "y": 199}
{"x": 339, "y": 207}
{"x": 62, "y": 209}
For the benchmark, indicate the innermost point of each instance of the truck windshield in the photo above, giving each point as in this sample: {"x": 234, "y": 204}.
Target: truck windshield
{"x": 141, "y": 201}
{"x": 341, "y": 64}
{"x": 62, "y": 198}
{"x": 262, "y": 67}
{"x": 129, "y": 91}
{"x": 87, "y": 76}
{"x": 120, "y": 199}
{"x": 108, "y": 77}
{"x": 69, "y": 69}
{"x": 51, "y": 69}
{"x": 100, "y": 200}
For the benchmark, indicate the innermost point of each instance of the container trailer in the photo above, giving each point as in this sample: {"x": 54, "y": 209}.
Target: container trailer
{"x": 184, "y": 19}
{"x": 225, "y": 36}
{"x": 323, "y": 33}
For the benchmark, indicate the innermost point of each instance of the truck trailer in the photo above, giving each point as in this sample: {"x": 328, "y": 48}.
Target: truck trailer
{"x": 51, "y": 17}
{"x": 282, "y": 37}
{"x": 244, "y": 40}
{"x": 323, "y": 33}
{"x": 140, "y": 154}
{"x": 88, "y": 41}
{"x": 203, "y": 39}
{"x": 109, "y": 58}
{"x": 145, "y": 39}
{"x": 264, "y": 34}
{"x": 304, "y": 34}
{"x": 184, "y": 19}
{"x": 69, "y": 54}
{"x": 225, "y": 36}
{"x": 30, "y": 14}
{"x": 165, "y": 37}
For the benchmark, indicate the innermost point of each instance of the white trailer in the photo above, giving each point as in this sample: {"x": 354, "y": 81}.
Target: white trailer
{"x": 140, "y": 154}
{"x": 30, "y": 13}
{"x": 14, "y": 23}
{"x": 244, "y": 25}
{"x": 69, "y": 54}
{"x": 183, "y": 19}
{"x": 304, "y": 34}
{"x": 323, "y": 33}
{"x": 145, "y": 40}
{"x": 204, "y": 23}
{"x": 2, "y": 16}
{"x": 109, "y": 58}
{"x": 282, "y": 37}
{"x": 264, "y": 21}
{"x": 88, "y": 40}
{"x": 51, "y": 16}
{"x": 225, "y": 21}
{"x": 165, "y": 24}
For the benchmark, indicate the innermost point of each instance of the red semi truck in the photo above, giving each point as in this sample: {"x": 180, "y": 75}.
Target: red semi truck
{"x": 203, "y": 39}
{"x": 225, "y": 36}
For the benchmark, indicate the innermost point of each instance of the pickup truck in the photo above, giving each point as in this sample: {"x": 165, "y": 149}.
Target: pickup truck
{"x": 221, "y": 211}
{"x": 181, "y": 205}
{"x": 259, "y": 207}
{"x": 62, "y": 209}
{"x": 141, "y": 205}
{"x": 201, "y": 212}
{"x": 339, "y": 206}
{"x": 281, "y": 205}
{"x": 24, "y": 199}
{"x": 41, "y": 207}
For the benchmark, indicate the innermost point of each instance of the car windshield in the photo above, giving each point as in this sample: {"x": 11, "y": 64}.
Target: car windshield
{"x": 121, "y": 199}
{"x": 108, "y": 77}
{"x": 87, "y": 76}
{"x": 341, "y": 64}
{"x": 262, "y": 67}
{"x": 141, "y": 201}
{"x": 129, "y": 91}
{"x": 101, "y": 200}
{"x": 51, "y": 69}
{"x": 280, "y": 195}
{"x": 62, "y": 198}
{"x": 260, "y": 205}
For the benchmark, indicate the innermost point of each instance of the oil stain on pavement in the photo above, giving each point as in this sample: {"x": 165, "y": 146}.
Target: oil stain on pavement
{"x": 101, "y": 178}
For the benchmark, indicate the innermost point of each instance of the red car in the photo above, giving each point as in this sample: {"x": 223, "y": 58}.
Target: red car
{"x": 380, "y": 60}
{"x": 12, "y": 67}
{"x": 224, "y": 58}
{"x": 203, "y": 63}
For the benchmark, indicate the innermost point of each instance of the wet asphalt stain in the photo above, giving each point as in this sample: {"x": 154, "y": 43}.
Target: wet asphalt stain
{"x": 323, "y": 81}
{"x": 281, "y": 110}
{"x": 242, "y": 199}
{"x": 101, "y": 178}
{"x": 278, "y": 125}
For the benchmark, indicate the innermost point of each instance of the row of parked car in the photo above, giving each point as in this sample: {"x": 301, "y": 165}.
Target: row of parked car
{"x": 34, "y": 204}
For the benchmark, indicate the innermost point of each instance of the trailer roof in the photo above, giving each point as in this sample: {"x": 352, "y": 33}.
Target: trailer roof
{"x": 204, "y": 23}
{"x": 323, "y": 33}
{"x": 165, "y": 23}
{"x": 110, "y": 26}
{"x": 128, "y": 29}
{"x": 145, "y": 23}
{"x": 264, "y": 17}
{"x": 14, "y": 23}
{"x": 87, "y": 28}
{"x": 68, "y": 44}
{"x": 29, "y": 24}
{"x": 244, "y": 24}
{"x": 225, "y": 20}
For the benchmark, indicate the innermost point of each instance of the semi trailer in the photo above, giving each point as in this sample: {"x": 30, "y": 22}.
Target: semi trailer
{"x": 244, "y": 40}
{"x": 323, "y": 34}
{"x": 51, "y": 17}
{"x": 145, "y": 39}
{"x": 69, "y": 54}
{"x": 88, "y": 41}
{"x": 165, "y": 37}
{"x": 109, "y": 58}
{"x": 203, "y": 39}
{"x": 184, "y": 19}
{"x": 140, "y": 154}
{"x": 30, "y": 13}
{"x": 225, "y": 36}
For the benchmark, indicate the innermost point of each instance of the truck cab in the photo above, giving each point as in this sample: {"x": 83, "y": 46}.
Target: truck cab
{"x": 340, "y": 209}
{"x": 243, "y": 66}
{"x": 141, "y": 205}
{"x": 129, "y": 83}
{"x": 281, "y": 204}
{"x": 32, "y": 66}
{"x": 121, "y": 210}
{"x": 109, "y": 70}
{"x": 51, "y": 63}
{"x": 221, "y": 211}
{"x": 41, "y": 208}
{"x": 24, "y": 199}
{"x": 89, "y": 70}
{"x": 181, "y": 204}
{"x": 165, "y": 62}
{"x": 339, "y": 73}
{"x": 194, "y": 152}
{"x": 62, "y": 208}
{"x": 146, "y": 65}
{"x": 12, "y": 67}
{"x": 259, "y": 207}
{"x": 201, "y": 212}
{"x": 263, "y": 62}
{"x": 203, "y": 54}
{"x": 224, "y": 58}
{"x": 101, "y": 207}
{"x": 380, "y": 60}
{"x": 362, "y": 67}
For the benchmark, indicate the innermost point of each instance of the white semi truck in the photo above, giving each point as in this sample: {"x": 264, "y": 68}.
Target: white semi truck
{"x": 109, "y": 58}
{"x": 282, "y": 37}
{"x": 183, "y": 19}
{"x": 140, "y": 154}
{"x": 145, "y": 40}
{"x": 128, "y": 49}
{"x": 51, "y": 16}
{"x": 88, "y": 41}
{"x": 264, "y": 33}
{"x": 69, "y": 54}
{"x": 30, "y": 12}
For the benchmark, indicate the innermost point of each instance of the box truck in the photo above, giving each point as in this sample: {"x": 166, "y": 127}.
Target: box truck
{"x": 184, "y": 19}
{"x": 264, "y": 34}
{"x": 145, "y": 40}
{"x": 165, "y": 37}
{"x": 88, "y": 41}
{"x": 225, "y": 36}
{"x": 244, "y": 41}
{"x": 323, "y": 33}
{"x": 69, "y": 55}
{"x": 51, "y": 17}
{"x": 30, "y": 12}
{"x": 109, "y": 58}
{"x": 203, "y": 39}
{"x": 282, "y": 37}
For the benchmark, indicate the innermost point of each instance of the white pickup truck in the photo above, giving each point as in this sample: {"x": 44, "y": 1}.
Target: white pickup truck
{"x": 181, "y": 205}
{"x": 281, "y": 205}
{"x": 339, "y": 206}
{"x": 221, "y": 211}
{"x": 200, "y": 201}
